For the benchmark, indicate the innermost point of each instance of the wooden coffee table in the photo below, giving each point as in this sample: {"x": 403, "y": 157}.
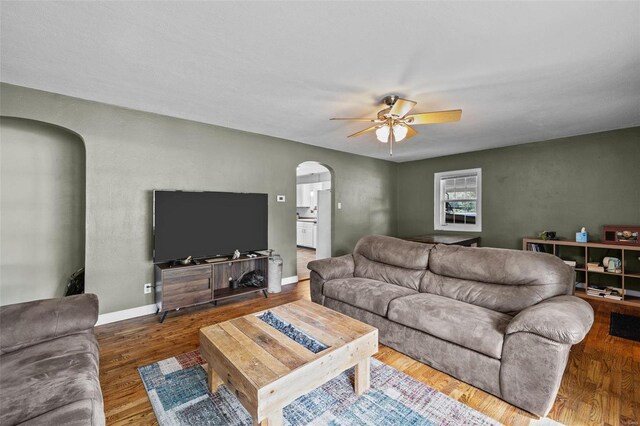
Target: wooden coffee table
{"x": 267, "y": 370}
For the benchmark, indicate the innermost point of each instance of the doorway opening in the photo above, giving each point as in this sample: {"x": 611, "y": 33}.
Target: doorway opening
{"x": 314, "y": 210}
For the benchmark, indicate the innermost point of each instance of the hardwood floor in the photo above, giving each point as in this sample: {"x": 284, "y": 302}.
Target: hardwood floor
{"x": 601, "y": 385}
{"x": 304, "y": 256}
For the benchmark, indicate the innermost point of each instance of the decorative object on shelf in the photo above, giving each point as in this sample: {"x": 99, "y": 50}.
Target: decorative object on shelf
{"x": 236, "y": 254}
{"x": 612, "y": 264}
{"x": 621, "y": 234}
{"x": 548, "y": 235}
{"x": 253, "y": 278}
{"x": 392, "y": 124}
{"x": 582, "y": 236}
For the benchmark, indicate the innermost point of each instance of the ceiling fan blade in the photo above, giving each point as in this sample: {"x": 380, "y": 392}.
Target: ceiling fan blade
{"x": 410, "y": 132}
{"x": 372, "y": 120}
{"x": 402, "y": 107}
{"x": 368, "y": 129}
{"x": 434, "y": 117}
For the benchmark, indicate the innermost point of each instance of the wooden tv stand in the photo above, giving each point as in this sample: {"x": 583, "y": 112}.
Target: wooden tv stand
{"x": 181, "y": 286}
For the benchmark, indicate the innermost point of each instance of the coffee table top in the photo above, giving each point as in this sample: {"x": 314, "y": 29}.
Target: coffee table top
{"x": 262, "y": 354}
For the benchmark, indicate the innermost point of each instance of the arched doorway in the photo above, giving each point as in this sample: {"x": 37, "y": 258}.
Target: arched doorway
{"x": 314, "y": 214}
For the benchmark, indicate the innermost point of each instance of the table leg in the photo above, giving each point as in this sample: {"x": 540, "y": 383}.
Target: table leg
{"x": 273, "y": 419}
{"x": 361, "y": 382}
{"x": 214, "y": 380}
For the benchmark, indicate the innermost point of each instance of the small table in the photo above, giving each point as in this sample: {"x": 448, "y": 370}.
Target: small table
{"x": 448, "y": 239}
{"x": 267, "y": 370}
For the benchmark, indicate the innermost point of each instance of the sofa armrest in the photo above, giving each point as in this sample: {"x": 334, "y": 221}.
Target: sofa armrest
{"x": 333, "y": 267}
{"x": 328, "y": 269}
{"x": 29, "y": 323}
{"x": 563, "y": 319}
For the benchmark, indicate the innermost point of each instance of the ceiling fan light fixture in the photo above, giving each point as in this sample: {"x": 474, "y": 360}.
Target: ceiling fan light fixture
{"x": 399, "y": 133}
{"x": 382, "y": 133}
{"x": 396, "y": 116}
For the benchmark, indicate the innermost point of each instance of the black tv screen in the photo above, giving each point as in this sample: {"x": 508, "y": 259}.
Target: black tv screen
{"x": 207, "y": 224}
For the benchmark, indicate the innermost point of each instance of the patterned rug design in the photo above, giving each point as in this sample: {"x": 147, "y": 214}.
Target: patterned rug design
{"x": 177, "y": 389}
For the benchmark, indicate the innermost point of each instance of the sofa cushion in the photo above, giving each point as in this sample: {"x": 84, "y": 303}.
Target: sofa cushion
{"x": 391, "y": 260}
{"x": 409, "y": 278}
{"x": 394, "y": 251}
{"x": 48, "y": 376}
{"x": 370, "y": 295}
{"x": 497, "y": 279}
{"x": 508, "y": 299}
{"x": 469, "y": 326}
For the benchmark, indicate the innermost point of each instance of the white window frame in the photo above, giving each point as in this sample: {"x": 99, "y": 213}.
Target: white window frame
{"x": 438, "y": 224}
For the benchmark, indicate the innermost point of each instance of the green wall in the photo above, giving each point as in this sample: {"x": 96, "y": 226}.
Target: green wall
{"x": 42, "y": 209}
{"x": 560, "y": 185}
{"x": 129, "y": 153}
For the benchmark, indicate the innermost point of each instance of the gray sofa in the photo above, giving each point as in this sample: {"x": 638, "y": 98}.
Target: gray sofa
{"x": 49, "y": 363}
{"x": 501, "y": 320}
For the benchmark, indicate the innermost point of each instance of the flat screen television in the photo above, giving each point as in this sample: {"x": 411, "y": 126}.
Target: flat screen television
{"x": 207, "y": 224}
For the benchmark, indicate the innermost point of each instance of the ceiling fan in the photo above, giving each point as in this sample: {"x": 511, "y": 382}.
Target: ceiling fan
{"x": 393, "y": 123}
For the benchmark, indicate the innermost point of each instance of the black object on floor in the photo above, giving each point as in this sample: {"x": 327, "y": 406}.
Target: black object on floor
{"x": 625, "y": 326}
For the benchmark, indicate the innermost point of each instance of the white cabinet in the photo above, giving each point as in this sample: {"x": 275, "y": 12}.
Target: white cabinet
{"x": 303, "y": 194}
{"x": 298, "y": 234}
{"x": 306, "y": 234}
{"x": 307, "y": 193}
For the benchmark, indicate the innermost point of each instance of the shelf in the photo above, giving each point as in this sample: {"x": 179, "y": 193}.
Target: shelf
{"x": 589, "y": 244}
{"x": 595, "y": 251}
{"x": 619, "y": 274}
{"x": 223, "y": 293}
{"x": 628, "y": 300}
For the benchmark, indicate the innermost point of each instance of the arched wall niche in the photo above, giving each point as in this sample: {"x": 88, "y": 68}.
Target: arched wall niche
{"x": 42, "y": 208}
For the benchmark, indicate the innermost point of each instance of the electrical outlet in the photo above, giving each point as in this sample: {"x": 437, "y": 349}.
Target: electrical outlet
{"x": 147, "y": 288}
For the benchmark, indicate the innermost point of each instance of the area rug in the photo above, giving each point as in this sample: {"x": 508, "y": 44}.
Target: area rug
{"x": 625, "y": 326}
{"x": 177, "y": 389}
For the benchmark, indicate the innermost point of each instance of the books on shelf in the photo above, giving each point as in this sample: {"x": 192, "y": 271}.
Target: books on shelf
{"x": 537, "y": 247}
{"x": 595, "y": 266}
{"x": 605, "y": 292}
{"x": 571, "y": 263}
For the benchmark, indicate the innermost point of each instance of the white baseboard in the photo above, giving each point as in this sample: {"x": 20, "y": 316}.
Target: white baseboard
{"x": 151, "y": 309}
{"x": 290, "y": 280}
{"x": 126, "y": 314}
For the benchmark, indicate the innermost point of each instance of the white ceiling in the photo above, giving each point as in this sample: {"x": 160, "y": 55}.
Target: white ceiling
{"x": 520, "y": 71}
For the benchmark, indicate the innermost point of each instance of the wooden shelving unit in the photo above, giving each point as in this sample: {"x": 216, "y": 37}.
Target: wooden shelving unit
{"x": 582, "y": 253}
{"x": 180, "y": 286}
